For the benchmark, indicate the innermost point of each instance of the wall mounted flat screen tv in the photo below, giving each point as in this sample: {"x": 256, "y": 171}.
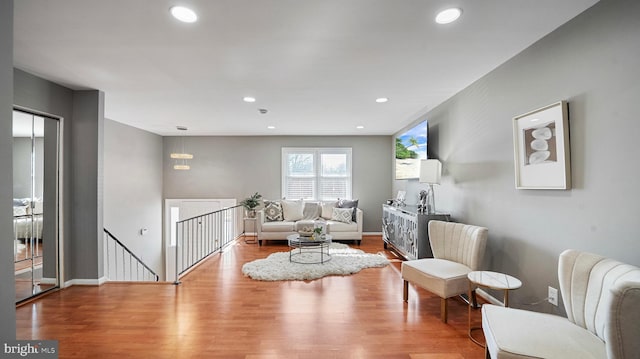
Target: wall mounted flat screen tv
{"x": 411, "y": 147}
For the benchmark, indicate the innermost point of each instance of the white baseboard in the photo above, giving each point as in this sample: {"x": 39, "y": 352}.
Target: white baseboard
{"x": 98, "y": 281}
{"x": 51, "y": 281}
{"x": 488, "y": 297}
{"x": 371, "y": 233}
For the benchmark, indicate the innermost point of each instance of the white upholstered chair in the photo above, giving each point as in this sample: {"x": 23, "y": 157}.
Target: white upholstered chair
{"x": 602, "y": 300}
{"x": 457, "y": 250}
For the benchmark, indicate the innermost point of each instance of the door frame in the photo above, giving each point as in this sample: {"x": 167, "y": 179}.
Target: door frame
{"x": 59, "y": 186}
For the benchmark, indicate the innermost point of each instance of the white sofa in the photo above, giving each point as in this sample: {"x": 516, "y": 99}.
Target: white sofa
{"x": 280, "y": 229}
{"x": 602, "y": 300}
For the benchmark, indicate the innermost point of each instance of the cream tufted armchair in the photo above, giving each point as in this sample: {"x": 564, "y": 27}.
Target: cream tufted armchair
{"x": 602, "y": 300}
{"x": 457, "y": 250}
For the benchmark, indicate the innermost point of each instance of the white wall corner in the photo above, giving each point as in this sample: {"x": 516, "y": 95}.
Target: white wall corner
{"x": 488, "y": 297}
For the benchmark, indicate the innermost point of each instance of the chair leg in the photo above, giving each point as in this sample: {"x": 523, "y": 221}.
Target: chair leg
{"x": 443, "y": 310}
{"x": 405, "y": 291}
{"x": 486, "y": 352}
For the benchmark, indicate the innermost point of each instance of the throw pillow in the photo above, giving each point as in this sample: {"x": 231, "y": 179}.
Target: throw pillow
{"x": 342, "y": 214}
{"x": 272, "y": 211}
{"x": 292, "y": 210}
{"x": 346, "y": 203}
{"x": 311, "y": 210}
{"x": 327, "y": 209}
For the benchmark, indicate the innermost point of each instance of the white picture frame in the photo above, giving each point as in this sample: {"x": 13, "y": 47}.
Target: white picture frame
{"x": 400, "y": 197}
{"x": 542, "y": 149}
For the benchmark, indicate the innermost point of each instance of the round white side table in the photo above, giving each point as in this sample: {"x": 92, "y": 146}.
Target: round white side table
{"x": 491, "y": 280}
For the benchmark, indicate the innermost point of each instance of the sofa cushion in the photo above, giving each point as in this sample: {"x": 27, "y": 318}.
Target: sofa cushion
{"x": 335, "y": 226}
{"x": 292, "y": 210}
{"x": 327, "y": 209}
{"x": 342, "y": 215}
{"x": 516, "y": 333}
{"x": 272, "y": 211}
{"x": 348, "y": 203}
{"x": 278, "y": 226}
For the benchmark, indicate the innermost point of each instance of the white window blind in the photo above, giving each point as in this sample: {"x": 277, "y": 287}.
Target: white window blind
{"x": 316, "y": 173}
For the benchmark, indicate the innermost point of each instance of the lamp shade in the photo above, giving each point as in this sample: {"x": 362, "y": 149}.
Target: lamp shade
{"x": 430, "y": 171}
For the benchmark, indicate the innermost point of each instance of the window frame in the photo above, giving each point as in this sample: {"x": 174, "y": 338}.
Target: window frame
{"x": 317, "y": 153}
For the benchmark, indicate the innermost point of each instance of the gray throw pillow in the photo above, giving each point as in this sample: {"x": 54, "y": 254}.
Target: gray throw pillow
{"x": 272, "y": 211}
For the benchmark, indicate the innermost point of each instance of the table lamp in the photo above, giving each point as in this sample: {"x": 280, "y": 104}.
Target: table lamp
{"x": 430, "y": 171}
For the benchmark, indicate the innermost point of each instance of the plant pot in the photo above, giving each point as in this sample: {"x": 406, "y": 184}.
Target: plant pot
{"x": 251, "y": 213}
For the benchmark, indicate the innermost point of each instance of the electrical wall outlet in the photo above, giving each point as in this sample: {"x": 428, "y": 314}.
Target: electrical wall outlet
{"x": 553, "y": 296}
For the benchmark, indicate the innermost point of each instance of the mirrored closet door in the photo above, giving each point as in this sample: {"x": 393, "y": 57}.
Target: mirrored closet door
{"x": 35, "y": 203}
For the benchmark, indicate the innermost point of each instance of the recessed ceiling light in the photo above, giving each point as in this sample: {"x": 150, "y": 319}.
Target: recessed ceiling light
{"x": 448, "y": 15}
{"x": 184, "y": 14}
{"x": 360, "y": 127}
{"x": 249, "y": 99}
{"x": 271, "y": 127}
{"x": 382, "y": 99}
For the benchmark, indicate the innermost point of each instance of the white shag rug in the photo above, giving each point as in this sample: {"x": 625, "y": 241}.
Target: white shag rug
{"x": 344, "y": 261}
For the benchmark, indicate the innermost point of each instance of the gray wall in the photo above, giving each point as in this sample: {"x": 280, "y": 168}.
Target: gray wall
{"x": 7, "y": 288}
{"x": 236, "y": 167}
{"x": 133, "y": 190}
{"x": 592, "y": 62}
{"x": 87, "y": 128}
{"x": 82, "y": 113}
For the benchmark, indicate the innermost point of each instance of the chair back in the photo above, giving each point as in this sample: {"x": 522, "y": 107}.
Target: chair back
{"x": 458, "y": 242}
{"x": 602, "y": 295}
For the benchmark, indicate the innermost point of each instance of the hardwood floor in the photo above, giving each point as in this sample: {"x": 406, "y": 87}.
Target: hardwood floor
{"x": 218, "y": 313}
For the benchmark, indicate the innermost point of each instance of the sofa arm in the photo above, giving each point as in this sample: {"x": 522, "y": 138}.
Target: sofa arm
{"x": 359, "y": 219}
{"x": 259, "y": 221}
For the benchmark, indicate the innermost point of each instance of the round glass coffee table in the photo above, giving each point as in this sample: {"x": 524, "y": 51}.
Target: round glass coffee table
{"x": 309, "y": 250}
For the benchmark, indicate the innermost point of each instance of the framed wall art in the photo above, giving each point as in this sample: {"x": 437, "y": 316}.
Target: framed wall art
{"x": 541, "y": 148}
{"x": 411, "y": 148}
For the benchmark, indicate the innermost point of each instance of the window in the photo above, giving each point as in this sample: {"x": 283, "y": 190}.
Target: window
{"x": 316, "y": 173}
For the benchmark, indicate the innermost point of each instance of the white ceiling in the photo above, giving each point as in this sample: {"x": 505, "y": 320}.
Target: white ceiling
{"x": 316, "y": 65}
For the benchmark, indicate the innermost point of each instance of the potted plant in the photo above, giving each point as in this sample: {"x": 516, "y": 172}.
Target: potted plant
{"x": 250, "y": 203}
{"x": 317, "y": 233}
